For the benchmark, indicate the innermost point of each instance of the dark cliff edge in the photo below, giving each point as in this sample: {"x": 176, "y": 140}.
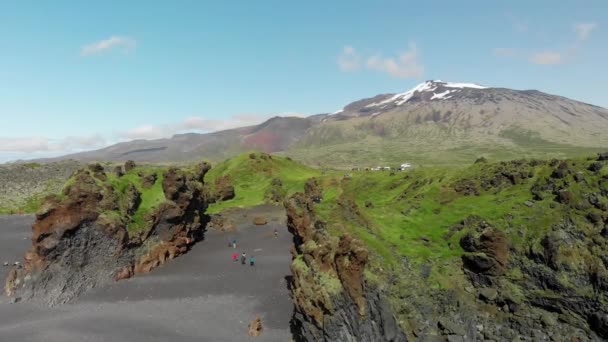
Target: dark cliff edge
{"x": 332, "y": 300}
{"x": 105, "y": 227}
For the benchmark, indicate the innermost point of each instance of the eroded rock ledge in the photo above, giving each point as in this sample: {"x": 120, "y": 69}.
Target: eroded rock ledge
{"x": 332, "y": 300}
{"x": 109, "y": 226}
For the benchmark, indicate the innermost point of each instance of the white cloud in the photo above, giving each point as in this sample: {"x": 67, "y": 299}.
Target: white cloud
{"x": 547, "y": 57}
{"x": 30, "y": 144}
{"x": 196, "y": 124}
{"x": 349, "y": 59}
{"x": 583, "y": 30}
{"x": 405, "y": 65}
{"x": 44, "y": 144}
{"x": 505, "y": 52}
{"x": 124, "y": 43}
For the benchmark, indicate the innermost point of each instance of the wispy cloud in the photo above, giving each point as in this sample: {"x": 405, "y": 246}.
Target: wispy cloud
{"x": 552, "y": 56}
{"x": 123, "y": 43}
{"x": 405, "y": 65}
{"x": 349, "y": 59}
{"x": 583, "y": 30}
{"x": 196, "y": 124}
{"x": 547, "y": 57}
{"x": 44, "y": 144}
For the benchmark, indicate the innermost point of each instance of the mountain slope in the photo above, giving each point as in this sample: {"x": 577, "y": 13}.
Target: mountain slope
{"x": 274, "y": 135}
{"x": 439, "y": 122}
{"x": 436, "y": 122}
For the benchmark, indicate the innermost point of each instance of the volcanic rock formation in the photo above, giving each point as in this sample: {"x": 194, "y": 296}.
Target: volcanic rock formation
{"x": 333, "y": 302}
{"x": 99, "y": 230}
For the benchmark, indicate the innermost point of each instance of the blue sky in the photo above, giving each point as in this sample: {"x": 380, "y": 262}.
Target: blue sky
{"x": 79, "y": 75}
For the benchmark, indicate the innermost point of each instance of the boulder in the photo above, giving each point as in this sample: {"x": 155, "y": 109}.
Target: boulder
{"x": 488, "y": 253}
{"x": 488, "y": 294}
{"x": 260, "y": 221}
{"x": 255, "y": 327}
{"x": 313, "y": 190}
{"x": 149, "y": 180}
{"x": 129, "y": 165}
{"x": 118, "y": 171}
{"x": 595, "y": 166}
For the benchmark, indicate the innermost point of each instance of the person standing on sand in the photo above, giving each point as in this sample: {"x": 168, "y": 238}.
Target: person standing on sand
{"x": 243, "y": 258}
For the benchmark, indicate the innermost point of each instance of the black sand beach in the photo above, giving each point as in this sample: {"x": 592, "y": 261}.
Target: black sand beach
{"x": 201, "y": 296}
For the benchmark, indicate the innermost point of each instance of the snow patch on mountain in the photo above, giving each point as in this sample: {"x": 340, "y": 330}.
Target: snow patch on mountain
{"x": 441, "y": 95}
{"x": 427, "y": 87}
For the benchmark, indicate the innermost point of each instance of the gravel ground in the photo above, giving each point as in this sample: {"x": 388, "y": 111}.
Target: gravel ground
{"x": 201, "y": 296}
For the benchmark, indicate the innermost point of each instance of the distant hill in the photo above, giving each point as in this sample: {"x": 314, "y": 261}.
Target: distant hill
{"x": 436, "y": 122}
{"x": 273, "y": 135}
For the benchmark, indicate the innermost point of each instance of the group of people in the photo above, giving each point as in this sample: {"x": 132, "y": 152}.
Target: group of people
{"x": 235, "y": 255}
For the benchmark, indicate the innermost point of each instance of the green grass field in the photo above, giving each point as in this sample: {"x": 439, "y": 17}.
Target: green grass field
{"x": 252, "y": 178}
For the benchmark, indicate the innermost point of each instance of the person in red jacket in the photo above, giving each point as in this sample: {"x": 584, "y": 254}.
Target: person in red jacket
{"x": 235, "y": 256}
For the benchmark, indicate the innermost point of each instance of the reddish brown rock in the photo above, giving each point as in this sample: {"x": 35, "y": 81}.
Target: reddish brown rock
{"x": 259, "y": 221}
{"x": 255, "y": 327}
{"x": 331, "y": 297}
{"x": 84, "y": 232}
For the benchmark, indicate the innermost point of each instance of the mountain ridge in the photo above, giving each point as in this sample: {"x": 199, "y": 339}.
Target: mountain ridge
{"x": 505, "y": 123}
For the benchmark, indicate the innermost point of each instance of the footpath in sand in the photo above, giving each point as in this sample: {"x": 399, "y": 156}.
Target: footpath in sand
{"x": 200, "y": 296}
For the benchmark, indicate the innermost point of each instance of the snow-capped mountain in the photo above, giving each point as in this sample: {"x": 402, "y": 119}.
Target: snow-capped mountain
{"x": 434, "y": 121}
{"x": 427, "y": 91}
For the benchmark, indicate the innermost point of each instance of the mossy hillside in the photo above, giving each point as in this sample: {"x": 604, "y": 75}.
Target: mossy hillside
{"x": 252, "y": 174}
{"x": 407, "y": 215}
{"x": 345, "y": 144}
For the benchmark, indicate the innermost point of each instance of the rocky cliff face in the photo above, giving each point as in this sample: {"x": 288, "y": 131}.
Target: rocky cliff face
{"x": 87, "y": 236}
{"x": 556, "y": 287}
{"x": 524, "y": 282}
{"x": 332, "y": 300}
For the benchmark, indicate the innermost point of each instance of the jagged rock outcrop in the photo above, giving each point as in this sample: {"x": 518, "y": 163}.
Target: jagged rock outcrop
{"x": 332, "y": 300}
{"x": 129, "y": 165}
{"x": 276, "y": 193}
{"x": 313, "y": 190}
{"x": 95, "y": 233}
